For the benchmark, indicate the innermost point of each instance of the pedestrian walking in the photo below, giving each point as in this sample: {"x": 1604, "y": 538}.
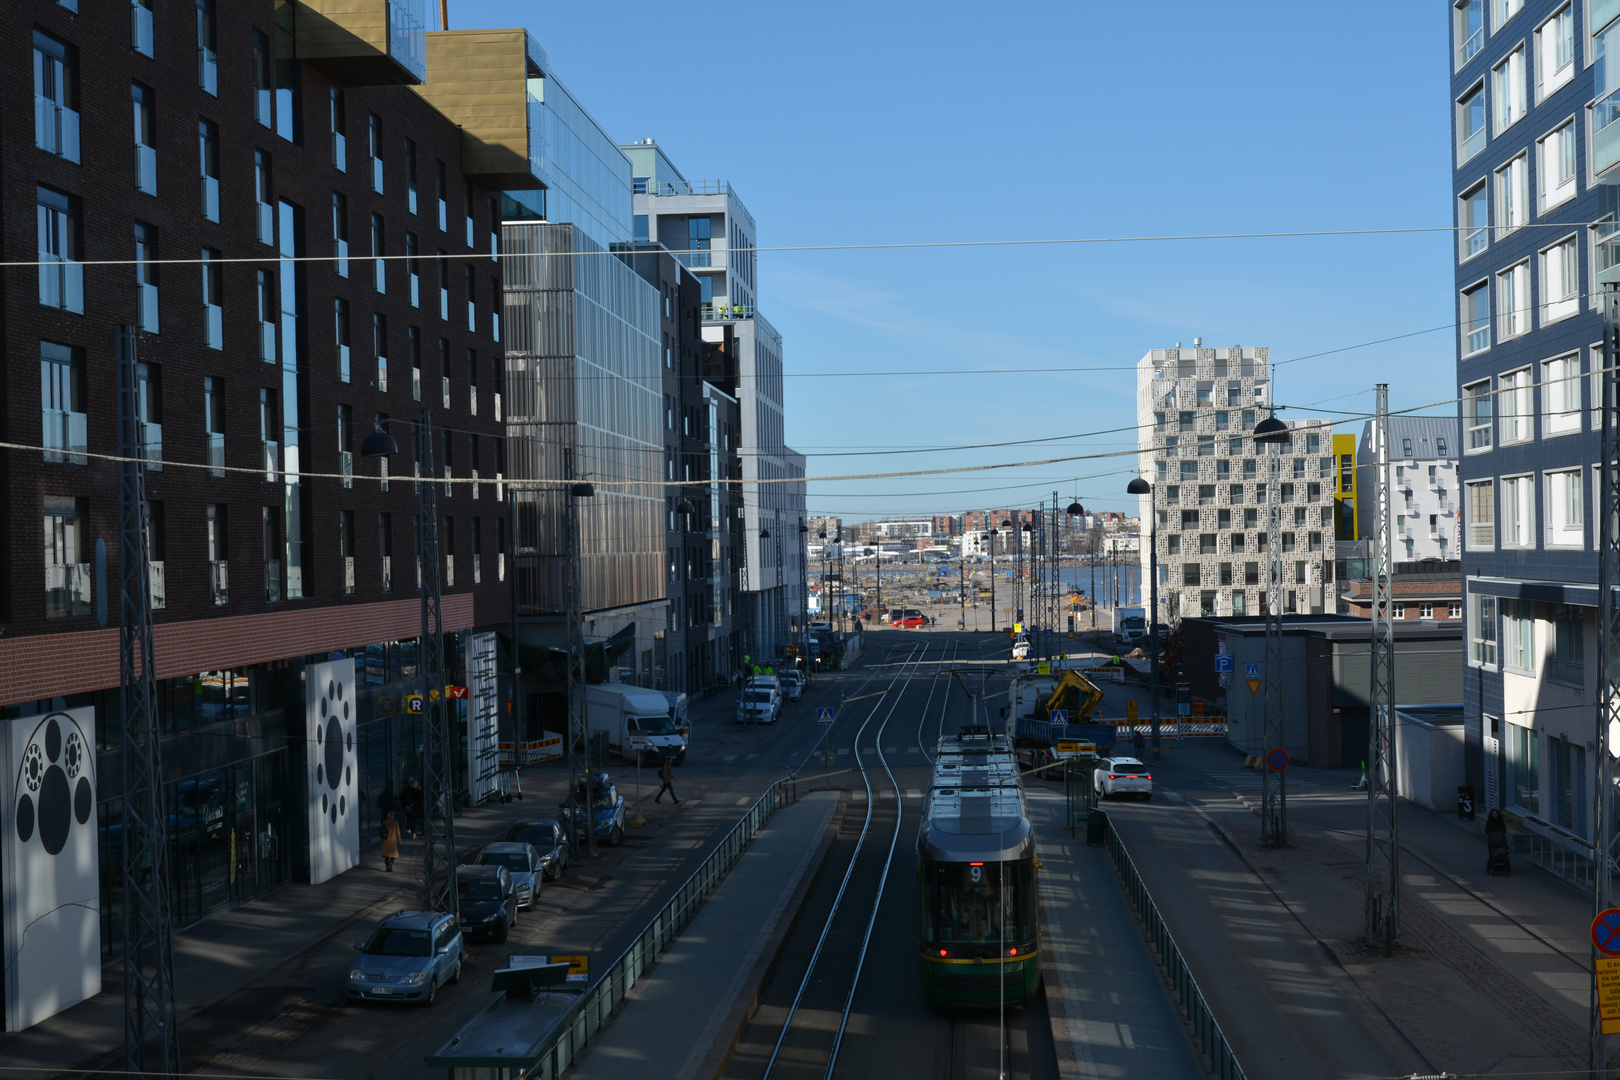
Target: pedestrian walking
{"x": 390, "y": 841}
{"x": 666, "y": 773}
{"x": 413, "y": 800}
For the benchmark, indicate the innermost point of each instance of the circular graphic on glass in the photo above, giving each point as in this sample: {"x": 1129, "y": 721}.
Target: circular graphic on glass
{"x": 54, "y": 783}
{"x": 334, "y": 750}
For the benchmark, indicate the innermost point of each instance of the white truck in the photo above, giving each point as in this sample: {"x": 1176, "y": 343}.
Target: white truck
{"x": 1130, "y": 625}
{"x": 636, "y": 722}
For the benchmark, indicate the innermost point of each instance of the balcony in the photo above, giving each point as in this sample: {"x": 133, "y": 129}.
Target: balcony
{"x": 721, "y": 313}
{"x": 61, "y": 284}
{"x": 56, "y": 129}
{"x": 140, "y": 27}
{"x": 364, "y": 42}
{"x": 699, "y": 260}
{"x": 218, "y": 583}
{"x": 65, "y": 437}
{"x": 491, "y": 83}
{"x": 157, "y": 586}
{"x": 272, "y": 581}
{"x": 67, "y": 590}
{"x": 216, "y": 453}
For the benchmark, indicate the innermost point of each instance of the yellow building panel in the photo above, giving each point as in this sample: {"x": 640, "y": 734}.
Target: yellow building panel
{"x": 338, "y": 29}
{"x": 479, "y": 80}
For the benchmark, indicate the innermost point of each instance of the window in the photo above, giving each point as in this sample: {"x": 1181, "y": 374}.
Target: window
{"x": 1473, "y": 217}
{"x": 1468, "y": 28}
{"x": 639, "y": 222}
{"x": 1207, "y": 544}
{"x": 444, "y": 371}
{"x": 1518, "y": 511}
{"x": 268, "y": 314}
{"x": 385, "y": 550}
{"x": 444, "y": 285}
{"x": 149, "y": 414}
{"x": 207, "y": 61}
{"x": 379, "y": 264}
{"x": 1513, "y": 301}
{"x": 1189, "y": 471}
{"x": 1186, "y": 421}
{"x": 1567, "y": 662}
{"x": 208, "y": 162}
{"x": 140, "y": 26}
{"x": 472, "y": 225}
{"x": 1397, "y": 611}
{"x": 340, "y": 232}
{"x": 1516, "y": 403}
{"x": 269, "y": 428}
{"x": 61, "y": 384}
{"x": 1560, "y": 281}
{"x": 339, "y": 126}
{"x": 1481, "y": 508}
{"x": 1471, "y": 123}
{"x": 1604, "y": 146}
{"x": 1482, "y": 629}
{"x": 214, "y": 425}
{"x": 1556, "y": 167}
{"x": 1425, "y": 610}
{"x": 1205, "y": 392}
{"x": 262, "y": 110}
{"x": 495, "y": 309}
{"x": 346, "y": 549}
{"x": 477, "y": 544}
{"x": 261, "y": 197}
{"x": 143, "y": 102}
{"x": 379, "y": 345}
{"x": 146, "y": 278}
{"x": 1172, "y": 544}
{"x": 374, "y": 149}
{"x": 1502, "y": 11}
{"x": 1223, "y": 421}
{"x": 1508, "y": 90}
{"x": 1189, "y": 574}
{"x": 1206, "y": 446}
{"x": 1566, "y": 510}
{"x": 213, "y": 300}
{"x": 218, "y": 554}
{"x": 472, "y": 385}
{"x": 410, "y": 175}
{"x": 67, "y": 573}
{"x": 56, "y": 97}
{"x": 61, "y": 277}
{"x": 1512, "y": 196}
{"x": 1474, "y": 319}
{"x": 472, "y": 300}
{"x": 1477, "y": 415}
{"x": 1555, "y": 52}
{"x": 413, "y": 269}
{"x": 1518, "y": 636}
{"x": 270, "y": 525}
{"x": 1561, "y": 395}
{"x": 1524, "y": 768}
{"x": 441, "y": 189}
{"x": 341, "y": 328}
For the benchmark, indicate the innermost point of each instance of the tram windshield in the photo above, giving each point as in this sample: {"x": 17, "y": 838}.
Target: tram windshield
{"x": 978, "y": 903}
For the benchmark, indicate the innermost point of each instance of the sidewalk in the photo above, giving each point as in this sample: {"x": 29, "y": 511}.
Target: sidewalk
{"x": 680, "y": 1019}
{"x": 1490, "y": 970}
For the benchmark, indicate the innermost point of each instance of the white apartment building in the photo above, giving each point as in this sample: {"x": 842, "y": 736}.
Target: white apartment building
{"x": 1424, "y": 497}
{"x": 1196, "y": 411}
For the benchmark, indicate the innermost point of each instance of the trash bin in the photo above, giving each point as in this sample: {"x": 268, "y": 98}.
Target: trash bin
{"x": 1096, "y": 826}
{"x": 1465, "y": 802}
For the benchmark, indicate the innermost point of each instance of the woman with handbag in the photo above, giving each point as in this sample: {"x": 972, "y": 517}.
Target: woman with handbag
{"x": 390, "y": 841}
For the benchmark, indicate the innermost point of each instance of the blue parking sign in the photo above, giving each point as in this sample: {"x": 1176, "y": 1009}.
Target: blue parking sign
{"x": 1223, "y": 663}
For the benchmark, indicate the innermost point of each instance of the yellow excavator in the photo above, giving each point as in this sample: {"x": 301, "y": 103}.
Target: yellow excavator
{"x": 1071, "y": 693}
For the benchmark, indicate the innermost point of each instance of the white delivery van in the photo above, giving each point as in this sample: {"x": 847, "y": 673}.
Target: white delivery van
{"x": 678, "y": 702}
{"x": 1130, "y": 625}
{"x": 636, "y": 721}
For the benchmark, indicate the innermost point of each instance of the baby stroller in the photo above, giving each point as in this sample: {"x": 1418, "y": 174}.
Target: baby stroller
{"x": 1497, "y": 858}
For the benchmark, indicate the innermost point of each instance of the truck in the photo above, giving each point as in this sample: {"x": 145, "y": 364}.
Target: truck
{"x": 1036, "y": 734}
{"x": 678, "y": 702}
{"x": 635, "y": 722}
{"x": 1130, "y": 625}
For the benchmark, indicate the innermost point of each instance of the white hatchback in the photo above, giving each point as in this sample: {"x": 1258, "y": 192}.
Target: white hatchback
{"x": 1122, "y": 776}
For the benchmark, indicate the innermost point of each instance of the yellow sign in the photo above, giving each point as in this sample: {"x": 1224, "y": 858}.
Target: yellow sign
{"x": 1130, "y": 712}
{"x": 1018, "y": 628}
{"x": 1608, "y": 984}
{"x": 1043, "y": 668}
{"x": 579, "y": 967}
{"x": 414, "y": 704}
{"x": 1064, "y": 750}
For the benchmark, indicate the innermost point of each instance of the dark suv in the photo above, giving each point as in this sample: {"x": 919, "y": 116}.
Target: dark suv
{"x": 550, "y": 839}
{"x": 488, "y": 901}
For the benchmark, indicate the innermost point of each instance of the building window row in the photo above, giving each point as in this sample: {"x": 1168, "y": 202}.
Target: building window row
{"x": 1501, "y": 512}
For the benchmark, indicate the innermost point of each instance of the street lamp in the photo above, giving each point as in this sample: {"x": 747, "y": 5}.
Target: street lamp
{"x": 1074, "y": 510}
{"x": 804, "y": 592}
{"x": 1140, "y": 486}
{"x": 877, "y": 563}
{"x": 992, "y": 580}
{"x": 1025, "y": 539}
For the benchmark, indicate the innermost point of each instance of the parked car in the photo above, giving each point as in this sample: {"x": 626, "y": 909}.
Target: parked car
{"x": 1020, "y": 649}
{"x": 407, "y": 958}
{"x": 1122, "y": 776}
{"x": 521, "y": 861}
{"x": 488, "y": 901}
{"x": 758, "y": 705}
{"x": 792, "y": 683}
{"x": 550, "y": 839}
{"x": 607, "y": 809}
{"x": 914, "y": 622}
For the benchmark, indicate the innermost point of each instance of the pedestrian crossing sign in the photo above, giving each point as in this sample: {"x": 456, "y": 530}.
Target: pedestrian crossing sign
{"x": 824, "y": 715}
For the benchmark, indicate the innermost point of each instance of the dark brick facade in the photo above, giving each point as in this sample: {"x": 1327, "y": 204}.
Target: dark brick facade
{"x": 304, "y": 175}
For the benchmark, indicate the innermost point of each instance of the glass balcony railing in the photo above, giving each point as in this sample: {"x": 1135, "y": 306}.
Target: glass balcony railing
{"x": 498, "y": 407}
{"x": 407, "y": 36}
{"x": 445, "y": 386}
{"x": 148, "y": 301}
{"x": 340, "y": 151}
{"x": 65, "y": 438}
{"x": 387, "y": 573}
{"x": 146, "y": 170}
{"x": 219, "y": 593}
{"x": 477, "y": 569}
{"x": 342, "y": 249}
{"x": 210, "y": 199}
{"x": 723, "y": 313}
{"x": 449, "y": 487}
{"x": 343, "y": 363}
{"x": 449, "y": 571}
{"x": 213, "y": 326}
{"x": 141, "y": 28}
{"x": 61, "y": 284}
{"x": 495, "y": 325}
{"x": 1472, "y": 144}
{"x": 1606, "y": 132}
{"x": 416, "y": 384}
{"x": 207, "y": 70}
{"x": 444, "y": 304}
{"x": 472, "y": 400}
{"x": 56, "y": 130}
{"x": 416, "y": 290}
{"x": 272, "y": 461}
{"x": 348, "y": 575}
{"x": 346, "y": 468}
{"x": 67, "y": 590}
{"x": 267, "y": 342}
{"x": 474, "y": 484}
{"x": 266, "y": 223}
{"x": 157, "y": 585}
{"x": 697, "y": 258}
{"x": 272, "y": 581}
{"x": 216, "y": 453}
{"x": 152, "y": 445}
{"x": 500, "y": 566}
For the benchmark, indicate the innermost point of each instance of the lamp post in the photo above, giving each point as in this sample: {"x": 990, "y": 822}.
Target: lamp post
{"x": 804, "y": 593}
{"x": 1073, "y": 510}
{"x": 684, "y": 508}
{"x": 877, "y": 564}
{"x": 1027, "y": 541}
{"x": 1140, "y": 486}
{"x": 1273, "y": 435}
{"x": 992, "y": 579}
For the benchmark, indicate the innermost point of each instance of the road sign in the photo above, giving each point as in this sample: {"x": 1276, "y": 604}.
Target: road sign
{"x": 1043, "y": 668}
{"x": 1277, "y": 760}
{"x": 1251, "y": 671}
{"x": 1060, "y": 716}
{"x": 415, "y": 704}
{"x": 1130, "y": 712}
{"x": 1606, "y": 932}
{"x": 824, "y": 715}
{"x": 1608, "y": 983}
{"x": 1223, "y": 664}
{"x": 457, "y": 693}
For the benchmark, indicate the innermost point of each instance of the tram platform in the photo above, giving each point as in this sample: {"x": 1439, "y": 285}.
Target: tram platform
{"x": 682, "y": 1017}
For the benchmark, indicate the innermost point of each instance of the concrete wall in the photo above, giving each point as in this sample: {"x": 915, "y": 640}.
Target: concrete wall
{"x": 1429, "y": 761}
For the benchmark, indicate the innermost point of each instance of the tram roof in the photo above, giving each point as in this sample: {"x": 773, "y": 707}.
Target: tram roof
{"x": 977, "y": 772}
{"x": 964, "y": 825}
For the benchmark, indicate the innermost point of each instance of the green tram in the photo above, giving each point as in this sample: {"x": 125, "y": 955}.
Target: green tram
{"x": 978, "y": 925}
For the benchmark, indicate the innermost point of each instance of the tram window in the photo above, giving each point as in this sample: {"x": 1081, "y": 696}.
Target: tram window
{"x": 964, "y": 904}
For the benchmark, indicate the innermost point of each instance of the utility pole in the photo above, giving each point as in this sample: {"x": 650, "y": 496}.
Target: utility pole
{"x": 576, "y": 662}
{"x": 1608, "y": 673}
{"x": 1383, "y": 835}
{"x": 438, "y": 771}
{"x": 1273, "y": 435}
{"x": 151, "y": 1024}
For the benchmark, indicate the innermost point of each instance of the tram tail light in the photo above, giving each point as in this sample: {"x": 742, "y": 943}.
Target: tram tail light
{"x": 944, "y": 952}
{"x": 1012, "y": 951}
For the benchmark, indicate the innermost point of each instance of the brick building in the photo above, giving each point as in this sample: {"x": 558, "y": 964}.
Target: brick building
{"x": 306, "y": 253}
{"x": 1429, "y": 589}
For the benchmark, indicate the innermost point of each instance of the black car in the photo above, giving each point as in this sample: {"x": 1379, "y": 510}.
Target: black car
{"x": 550, "y": 839}
{"x": 488, "y": 901}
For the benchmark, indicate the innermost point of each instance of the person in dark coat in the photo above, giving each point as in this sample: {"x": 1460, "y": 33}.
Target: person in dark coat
{"x": 1138, "y": 744}
{"x": 413, "y": 801}
{"x": 666, "y": 773}
{"x": 1495, "y": 823}
{"x": 390, "y": 841}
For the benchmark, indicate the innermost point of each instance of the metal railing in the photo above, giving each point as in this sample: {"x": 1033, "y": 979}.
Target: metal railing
{"x": 1561, "y": 853}
{"x": 1223, "y": 1062}
{"x": 594, "y": 1007}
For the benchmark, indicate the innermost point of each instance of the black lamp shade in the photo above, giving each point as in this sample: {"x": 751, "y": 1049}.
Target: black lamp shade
{"x": 1139, "y": 486}
{"x": 1271, "y": 430}
{"x": 803, "y": 527}
{"x": 379, "y": 444}
{"x": 764, "y": 534}
{"x": 583, "y": 491}
{"x": 685, "y": 507}
{"x": 1075, "y": 508}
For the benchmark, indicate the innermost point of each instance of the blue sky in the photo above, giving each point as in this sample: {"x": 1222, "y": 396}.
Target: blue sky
{"x": 859, "y": 123}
